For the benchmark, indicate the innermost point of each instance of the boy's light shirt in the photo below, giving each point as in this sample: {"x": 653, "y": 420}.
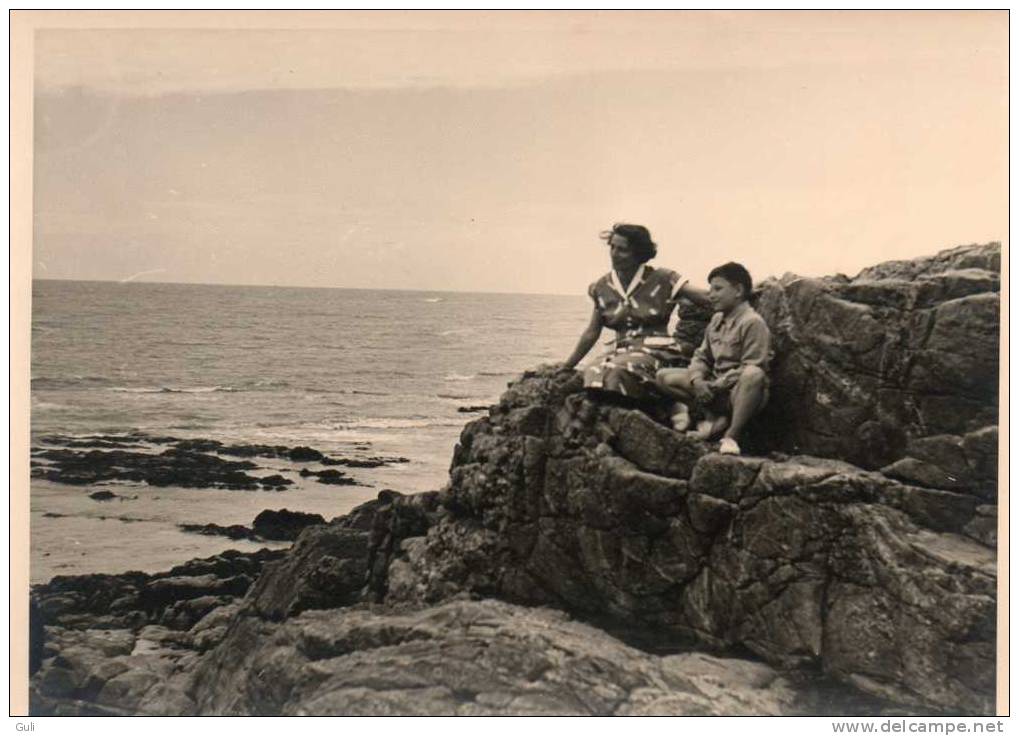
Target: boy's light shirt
{"x": 731, "y": 342}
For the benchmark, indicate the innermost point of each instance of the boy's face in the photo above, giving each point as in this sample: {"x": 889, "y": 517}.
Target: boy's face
{"x": 724, "y": 294}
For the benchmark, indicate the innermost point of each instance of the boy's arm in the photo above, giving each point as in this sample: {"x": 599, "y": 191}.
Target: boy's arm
{"x": 703, "y": 360}
{"x": 756, "y": 350}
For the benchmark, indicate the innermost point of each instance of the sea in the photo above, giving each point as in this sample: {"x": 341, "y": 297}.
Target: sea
{"x": 350, "y": 372}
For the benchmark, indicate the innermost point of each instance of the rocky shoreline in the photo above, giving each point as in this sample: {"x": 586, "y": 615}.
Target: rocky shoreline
{"x": 138, "y": 457}
{"x": 584, "y": 559}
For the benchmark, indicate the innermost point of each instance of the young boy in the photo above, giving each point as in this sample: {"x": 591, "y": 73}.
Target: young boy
{"x": 728, "y": 371}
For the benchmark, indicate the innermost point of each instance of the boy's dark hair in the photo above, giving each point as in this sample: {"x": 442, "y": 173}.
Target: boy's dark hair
{"x": 637, "y": 236}
{"x": 734, "y": 273}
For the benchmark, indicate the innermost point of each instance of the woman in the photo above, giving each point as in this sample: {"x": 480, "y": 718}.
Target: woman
{"x": 636, "y": 301}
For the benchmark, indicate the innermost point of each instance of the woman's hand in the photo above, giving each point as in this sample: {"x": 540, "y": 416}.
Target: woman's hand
{"x": 563, "y": 365}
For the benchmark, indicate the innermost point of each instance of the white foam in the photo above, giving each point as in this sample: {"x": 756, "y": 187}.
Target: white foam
{"x": 171, "y": 390}
{"x": 459, "y": 377}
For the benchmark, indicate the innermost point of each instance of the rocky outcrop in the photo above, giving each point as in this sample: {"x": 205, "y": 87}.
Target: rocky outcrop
{"x": 584, "y": 558}
{"x": 280, "y": 526}
{"x": 329, "y": 476}
{"x": 284, "y": 525}
{"x": 187, "y": 463}
{"x": 172, "y": 467}
{"x": 462, "y": 658}
{"x": 135, "y": 599}
{"x": 234, "y": 531}
{"x": 110, "y": 672}
{"x": 128, "y": 643}
{"x": 899, "y": 362}
{"x": 809, "y": 563}
{"x": 345, "y": 562}
{"x": 469, "y": 658}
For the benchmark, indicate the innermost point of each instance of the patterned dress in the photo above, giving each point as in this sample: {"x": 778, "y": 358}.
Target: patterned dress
{"x": 639, "y": 313}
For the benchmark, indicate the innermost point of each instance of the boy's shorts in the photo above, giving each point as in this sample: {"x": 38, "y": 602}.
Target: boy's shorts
{"x": 721, "y": 400}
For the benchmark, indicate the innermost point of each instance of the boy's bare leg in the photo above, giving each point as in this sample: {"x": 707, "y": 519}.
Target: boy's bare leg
{"x": 674, "y": 382}
{"x": 710, "y": 427}
{"x": 747, "y": 398}
{"x": 678, "y": 383}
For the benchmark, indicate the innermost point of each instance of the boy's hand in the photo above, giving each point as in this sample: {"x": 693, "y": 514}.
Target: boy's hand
{"x": 702, "y": 390}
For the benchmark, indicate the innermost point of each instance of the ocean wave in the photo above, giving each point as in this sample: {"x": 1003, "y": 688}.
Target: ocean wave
{"x": 266, "y": 383}
{"x": 39, "y": 405}
{"x": 433, "y": 300}
{"x": 415, "y": 421}
{"x": 396, "y": 423}
{"x": 74, "y": 381}
{"x": 459, "y": 377}
{"x": 498, "y": 373}
{"x": 379, "y": 433}
{"x": 257, "y": 385}
{"x": 461, "y": 331}
{"x": 171, "y": 390}
{"x": 381, "y": 372}
{"x": 345, "y": 391}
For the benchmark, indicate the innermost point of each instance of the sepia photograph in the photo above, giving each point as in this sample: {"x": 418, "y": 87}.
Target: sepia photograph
{"x": 512, "y": 363}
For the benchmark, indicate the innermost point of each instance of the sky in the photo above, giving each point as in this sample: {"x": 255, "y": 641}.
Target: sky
{"x": 486, "y": 151}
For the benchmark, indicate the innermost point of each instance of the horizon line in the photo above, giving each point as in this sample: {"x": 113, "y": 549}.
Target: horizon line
{"x": 291, "y": 286}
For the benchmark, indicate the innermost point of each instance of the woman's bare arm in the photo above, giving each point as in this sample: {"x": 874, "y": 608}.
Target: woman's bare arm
{"x": 587, "y": 340}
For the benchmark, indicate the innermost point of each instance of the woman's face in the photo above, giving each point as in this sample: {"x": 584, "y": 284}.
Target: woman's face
{"x": 621, "y": 253}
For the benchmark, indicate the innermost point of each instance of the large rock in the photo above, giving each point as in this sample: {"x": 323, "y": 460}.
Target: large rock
{"x": 810, "y": 563}
{"x": 468, "y": 658}
{"x": 85, "y": 630}
{"x": 120, "y": 644}
{"x": 344, "y": 562}
{"x": 865, "y": 367}
{"x": 114, "y": 672}
{"x": 284, "y": 524}
{"x": 133, "y": 599}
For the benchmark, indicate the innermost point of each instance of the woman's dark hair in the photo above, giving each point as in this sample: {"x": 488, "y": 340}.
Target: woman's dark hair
{"x": 735, "y": 274}
{"x": 637, "y": 236}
